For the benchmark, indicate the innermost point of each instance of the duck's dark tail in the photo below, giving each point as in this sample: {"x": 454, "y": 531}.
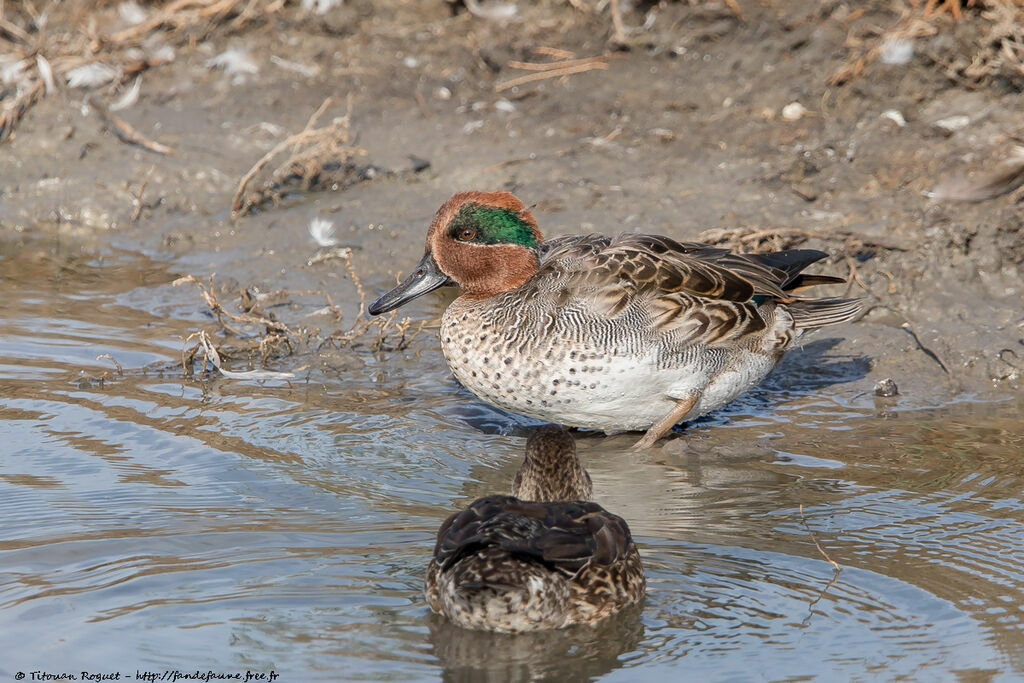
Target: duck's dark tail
{"x": 809, "y": 314}
{"x": 791, "y": 263}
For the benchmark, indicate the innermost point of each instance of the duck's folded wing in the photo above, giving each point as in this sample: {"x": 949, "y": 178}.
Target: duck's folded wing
{"x": 649, "y": 265}
{"x": 487, "y": 522}
{"x": 579, "y": 534}
{"x": 562, "y": 536}
{"x": 690, "y": 291}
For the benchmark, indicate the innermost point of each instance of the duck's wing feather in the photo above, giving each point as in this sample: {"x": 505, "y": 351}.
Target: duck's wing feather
{"x": 688, "y": 289}
{"x": 564, "y": 536}
{"x": 658, "y": 264}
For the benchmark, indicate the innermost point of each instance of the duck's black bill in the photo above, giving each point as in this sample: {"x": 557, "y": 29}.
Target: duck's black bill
{"x": 425, "y": 278}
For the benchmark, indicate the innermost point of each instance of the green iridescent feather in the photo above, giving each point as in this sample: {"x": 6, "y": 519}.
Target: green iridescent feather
{"x": 494, "y": 225}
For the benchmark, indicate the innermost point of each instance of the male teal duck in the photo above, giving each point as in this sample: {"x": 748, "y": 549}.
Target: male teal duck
{"x": 625, "y": 333}
{"x": 541, "y": 558}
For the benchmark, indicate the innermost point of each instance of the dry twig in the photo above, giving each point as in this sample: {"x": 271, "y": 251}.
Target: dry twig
{"x": 10, "y": 118}
{"x": 313, "y": 150}
{"x": 218, "y": 310}
{"x": 552, "y": 70}
{"x": 137, "y": 200}
{"x": 784, "y": 238}
{"x": 128, "y": 134}
{"x": 835, "y": 565}
{"x": 389, "y": 332}
{"x": 120, "y": 370}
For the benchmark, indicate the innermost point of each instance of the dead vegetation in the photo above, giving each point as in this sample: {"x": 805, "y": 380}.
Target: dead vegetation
{"x": 318, "y": 158}
{"x": 849, "y": 242}
{"x": 975, "y": 42}
{"x": 254, "y": 335}
{"x": 564, "y": 64}
{"x": 79, "y": 44}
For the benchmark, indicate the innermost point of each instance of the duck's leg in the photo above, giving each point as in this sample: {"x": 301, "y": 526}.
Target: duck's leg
{"x": 662, "y": 426}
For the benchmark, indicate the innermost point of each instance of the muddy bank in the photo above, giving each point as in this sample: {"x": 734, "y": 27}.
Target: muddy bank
{"x": 691, "y": 132}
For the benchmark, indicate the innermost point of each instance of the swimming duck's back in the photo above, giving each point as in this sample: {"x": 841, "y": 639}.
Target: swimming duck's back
{"x": 509, "y": 565}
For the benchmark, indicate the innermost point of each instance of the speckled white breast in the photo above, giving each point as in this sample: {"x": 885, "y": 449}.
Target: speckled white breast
{"x": 571, "y": 381}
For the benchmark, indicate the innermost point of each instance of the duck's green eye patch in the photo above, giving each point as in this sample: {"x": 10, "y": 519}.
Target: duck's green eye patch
{"x": 491, "y": 225}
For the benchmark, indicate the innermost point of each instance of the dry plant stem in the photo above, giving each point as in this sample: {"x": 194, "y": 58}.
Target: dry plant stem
{"x": 547, "y": 66}
{"x": 14, "y": 31}
{"x": 553, "y": 73}
{"x": 854, "y": 277}
{"x": 422, "y": 104}
{"x": 747, "y": 239}
{"x": 952, "y": 5}
{"x": 9, "y": 119}
{"x": 619, "y": 35}
{"x": 309, "y": 134}
{"x": 154, "y": 22}
{"x": 835, "y": 565}
{"x": 335, "y": 309}
{"x": 189, "y": 357}
{"x": 120, "y": 370}
{"x": 219, "y": 311}
{"x": 358, "y": 284}
{"x": 172, "y": 15}
{"x": 209, "y": 350}
{"x": 126, "y": 133}
{"x": 138, "y": 197}
{"x": 906, "y": 326}
{"x": 553, "y": 52}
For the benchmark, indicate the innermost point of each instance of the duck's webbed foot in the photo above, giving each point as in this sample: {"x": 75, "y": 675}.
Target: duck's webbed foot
{"x": 662, "y": 426}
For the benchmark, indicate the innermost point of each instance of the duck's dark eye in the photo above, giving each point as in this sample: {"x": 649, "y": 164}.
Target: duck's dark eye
{"x": 467, "y": 234}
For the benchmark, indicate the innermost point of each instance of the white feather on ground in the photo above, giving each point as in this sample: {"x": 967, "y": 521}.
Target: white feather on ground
{"x": 896, "y": 50}
{"x": 161, "y": 53}
{"x": 13, "y": 71}
{"x": 299, "y": 68}
{"x": 233, "y": 61}
{"x": 322, "y": 232}
{"x": 92, "y": 75}
{"x": 129, "y": 97}
{"x": 320, "y": 6}
{"x": 131, "y": 12}
{"x": 492, "y": 11}
{"x": 46, "y": 72}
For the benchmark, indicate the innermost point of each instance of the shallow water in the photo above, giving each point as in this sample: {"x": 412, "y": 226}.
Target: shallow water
{"x": 149, "y": 522}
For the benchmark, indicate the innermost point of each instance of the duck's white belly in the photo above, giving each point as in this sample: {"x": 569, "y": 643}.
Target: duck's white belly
{"x": 579, "y": 385}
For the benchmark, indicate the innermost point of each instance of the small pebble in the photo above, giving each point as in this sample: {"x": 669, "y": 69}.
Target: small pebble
{"x": 953, "y": 123}
{"x": 895, "y": 116}
{"x": 886, "y": 388}
{"x": 793, "y": 111}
